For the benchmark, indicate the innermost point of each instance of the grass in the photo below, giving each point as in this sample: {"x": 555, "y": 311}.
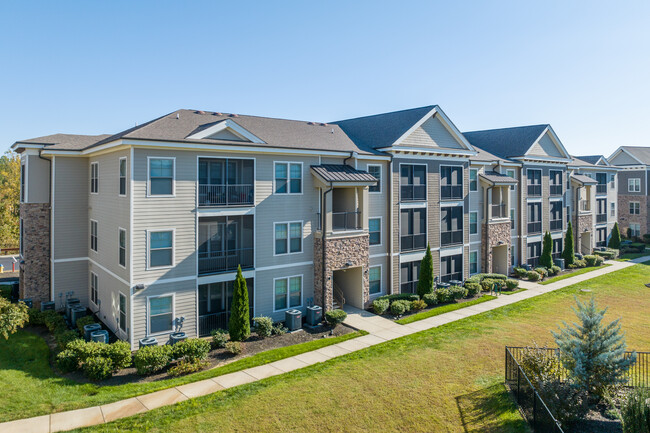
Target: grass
{"x": 31, "y": 388}
{"x": 572, "y": 274}
{"x": 631, "y": 256}
{"x": 443, "y": 309}
{"x": 512, "y": 292}
{"x": 447, "y": 378}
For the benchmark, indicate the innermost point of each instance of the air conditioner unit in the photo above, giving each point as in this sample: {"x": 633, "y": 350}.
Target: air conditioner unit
{"x": 99, "y": 336}
{"x": 175, "y": 337}
{"x": 145, "y": 342}
{"x": 293, "y": 319}
{"x": 49, "y": 305}
{"x": 89, "y": 329}
{"x": 77, "y": 313}
{"x": 69, "y": 303}
{"x": 314, "y": 315}
{"x": 27, "y": 301}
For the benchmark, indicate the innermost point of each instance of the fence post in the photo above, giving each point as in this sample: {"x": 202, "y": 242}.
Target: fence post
{"x": 534, "y": 410}
{"x": 518, "y": 399}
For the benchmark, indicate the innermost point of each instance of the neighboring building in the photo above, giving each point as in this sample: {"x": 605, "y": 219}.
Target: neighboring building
{"x": 633, "y": 203}
{"x": 147, "y": 227}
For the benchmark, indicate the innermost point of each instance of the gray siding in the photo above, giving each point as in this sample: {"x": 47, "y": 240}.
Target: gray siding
{"x": 38, "y": 180}
{"x": 71, "y": 277}
{"x": 108, "y": 290}
{"x": 264, "y": 289}
{"x": 70, "y": 208}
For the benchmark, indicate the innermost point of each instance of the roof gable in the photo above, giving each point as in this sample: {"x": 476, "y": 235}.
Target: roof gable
{"x": 623, "y": 156}
{"x": 227, "y": 130}
{"x": 548, "y": 145}
{"x": 434, "y": 131}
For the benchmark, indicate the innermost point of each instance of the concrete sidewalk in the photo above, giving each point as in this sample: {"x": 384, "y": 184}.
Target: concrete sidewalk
{"x": 379, "y": 328}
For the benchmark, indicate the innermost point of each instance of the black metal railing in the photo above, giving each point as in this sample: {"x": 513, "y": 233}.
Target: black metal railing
{"x": 413, "y": 192}
{"x": 222, "y": 261}
{"x": 556, "y": 189}
{"x": 556, "y": 224}
{"x": 535, "y": 227}
{"x": 446, "y": 278}
{"x": 451, "y": 192}
{"x": 346, "y": 221}
{"x": 451, "y": 237}
{"x": 499, "y": 211}
{"x": 413, "y": 242}
{"x": 601, "y": 218}
{"x": 212, "y": 321}
{"x": 225, "y": 195}
{"x": 601, "y": 188}
{"x": 535, "y": 190}
{"x": 409, "y": 287}
{"x": 533, "y": 262}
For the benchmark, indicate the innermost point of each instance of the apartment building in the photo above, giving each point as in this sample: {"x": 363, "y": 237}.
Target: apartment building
{"x": 633, "y": 204}
{"x": 148, "y": 226}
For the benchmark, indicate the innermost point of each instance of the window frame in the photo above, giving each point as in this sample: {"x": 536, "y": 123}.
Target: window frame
{"x": 470, "y": 222}
{"x": 470, "y": 262}
{"x": 462, "y": 181}
{"x": 96, "y": 236}
{"x": 612, "y": 208}
{"x": 633, "y": 230}
{"x": 302, "y": 178}
{"x": 528, "y": 185}
{"x": 379, "y": 188}
{"x": 380, "y": 227}
{"x": 173, "y": 248}
{"x": 94, "y": 292}
{"x": 121, "y": 230}
{"x": 120, "y": 312}
{"x": 514, "y": 176}
{"x": 635, "y": 208}
{"x": 512, "y": 218}
{"x": 443, "y": 229}
{"x": 632, "y": 182}
{"x": 450, "y": 257}
{"x": 173, "y": 312}
{"x": 120, "y": 176}
{"x": 475, "y": 181}
{"x": 411, "y": 177}
{"x": 410, "y": 212}
{"x": 23, "y": 180}
{"x": 302, "y": 236}
{"x": 173, "y": 193}
{"x": 288, "y": 296}
{"x": 94, "y": 177}
{"x": 381, "y": 280}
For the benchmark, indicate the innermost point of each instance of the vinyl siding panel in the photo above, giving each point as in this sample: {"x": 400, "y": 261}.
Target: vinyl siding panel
{"x": 623, "y": 159}
{"x": 71, "y": 277}
{"x": 625, "y": 175}
{"x": 108, "y": 293}
{"x": 432, "y": 133}
{"x": 264, "y": 289}
{"x": 38, "y": 180}
{"x": 545, "y": 147}
{"x": 71, "y": 223}
{"x": 378, "y": 206}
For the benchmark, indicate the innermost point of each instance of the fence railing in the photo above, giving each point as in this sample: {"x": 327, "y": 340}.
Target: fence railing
{"x": 451, "y": 192}
{"x": 225, "y": 195}
{"x": 212, "y": 321}
{"x": 535, "y": 190}
{"x": 601, "y": 188}
{"x": 499, "y": 211}
{"x": 222, "y": 261}
{"x": 555, "y": 189}
{"x": 413, "y": 192}
{"x": 342, "y": 221}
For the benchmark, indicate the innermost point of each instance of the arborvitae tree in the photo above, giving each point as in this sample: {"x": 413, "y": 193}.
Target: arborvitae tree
{"x": 593, "y": 352}
{"x": 629, "y": 233}
{"x": 615, "y": 240}
{"x": 239, "y": 325}
{"x": 546, "y": 259}
{"x": 568, "y": 254}
{"x": 425, "y": 279}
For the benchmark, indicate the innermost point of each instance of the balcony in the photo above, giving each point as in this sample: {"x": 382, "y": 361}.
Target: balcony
{"x": 226, "y": 182}
{"x": 451, "y": 238}
{"x": 451, "y": 192}
{"x": 225, "y": 243}
{"x": 556, "y": 190}
{"x": 413, "y": 192}
{"x": 535, "y": 190}
{"x": 601, "y": 218}
{"x": 584, "y": 206}
{"x": 601, "y": 188}
{"x": 225, "y": 195}
{"x": 413, "y": 242}
{"x": 499, "y": 211}
{"x": 224, "y": 261}
{"x": 342, "y": 221}
{"x": 556, "y": 225}
{"x": 535, "y": 227}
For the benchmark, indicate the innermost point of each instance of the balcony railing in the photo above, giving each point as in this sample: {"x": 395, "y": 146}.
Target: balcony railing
{"x": 225, "y": 195}
{"x": 601, "y": 188}
{"x": 499, "y": 211}
{"x": 556, "y": 189}
{"x": 413, "y": 242}
{"x": 451, "y": 192}
{"x": 451, "y": 237}
{"x": 413, "y": 192}
{"x": 535, "y": 190}
{"x": 601, "y": 218}
{"x": 535, "y": 227}
{"x": 409, "y": 287}
{"x": 556, "y": 224}
{"x": 342, "y": 221}
{"x": 223, "y": 261}
{"x": 584, "y": 205}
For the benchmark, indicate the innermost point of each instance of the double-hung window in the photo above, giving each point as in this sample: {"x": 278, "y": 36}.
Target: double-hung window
{"x": 374, "y": 275}
{"x": 375, "y": 171}
{"x": 161, "y": 314}
{"x": 122, "y": 175}
{"x": 93, "y": 288}
{"x": 635, "y": 208}
{"x": 511, "y": 173}
{"x": 122, "y": 312}
{"x": 374, "y": 230}
{"x": 613, "y": 209}
{"x": 512, "y": 219}
{"x": 635, "y": 230}
{"x": 288, "y": 292}
{"x": 122, "y": 247}
{"x": 161, "y": 248}
{"x": 288, "y": 238}
{"x": 473, "y": 179}
{"x": 634, "y": 185}
{"x": 288, "y": 178}
{"x": 93, "y": 235}
{"x": 451, "y": 183}
{"x": 473, "y": 223}
{"x": 94, "y": 178}
{"x": 473, "y": 262}
{"x": 161, "y": 176}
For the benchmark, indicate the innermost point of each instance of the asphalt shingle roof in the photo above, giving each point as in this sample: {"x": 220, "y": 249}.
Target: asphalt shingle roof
{"x": 506, "y": 142}
{"x": 66, "y": 141}
{"x": 586, "y": 180}
{"x": 498, "y": 178}
{"x": 342, "y": 173}
{"x": 590, "y": 159}
{"x": 640, "y": 153}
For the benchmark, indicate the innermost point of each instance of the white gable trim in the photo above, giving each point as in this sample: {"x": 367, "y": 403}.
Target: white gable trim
{"x": 445, "y": 122}
{"x": 554, "y": 138}
{"x": 227, "y": 124}
{"x": 619, "y": 150}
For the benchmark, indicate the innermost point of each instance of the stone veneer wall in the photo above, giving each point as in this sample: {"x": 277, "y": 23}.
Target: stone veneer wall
{"x": 35, "y": 274}
{"x": 625, "y": 218}
{"x": 584, "y": 223}
{"x": 339, "y": 251}
{"x": 494, "y": 233}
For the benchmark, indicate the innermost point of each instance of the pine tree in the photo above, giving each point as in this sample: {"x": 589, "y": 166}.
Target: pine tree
{"x": 546, "y": 259}
{"x": 568, "y": 254}
{"x": 615, "y": 240}
{"x": 425, "y": 279}
{"x": 592, "y": 352}
{"x": 239, "y": 325}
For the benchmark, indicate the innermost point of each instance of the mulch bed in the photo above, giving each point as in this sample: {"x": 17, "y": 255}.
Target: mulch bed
{"x": 216, "y": 357}
{"x": 388, "y": 315}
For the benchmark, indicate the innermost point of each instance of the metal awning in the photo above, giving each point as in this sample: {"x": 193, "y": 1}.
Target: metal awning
{"x": 583, "y": 180}
{"x": 494, "y": 178}
{"x": 343, "y": 174}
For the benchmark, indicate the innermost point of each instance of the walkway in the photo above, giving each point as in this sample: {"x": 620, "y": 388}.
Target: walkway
{"x": 379, "y": 328}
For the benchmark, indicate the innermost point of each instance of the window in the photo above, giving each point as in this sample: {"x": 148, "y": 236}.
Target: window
{"x": 94, "y": 178}
{"x": 512, "y": 219}
{"x": 161, "y": 314}
{"x": 122, "y": 312}
{"x": 473, "y": 223}
{"x": 534, "y": 180}
{"x": 413, "y": 183}
{"x": 374, "y": 275}
{"x": 601, "y": 237}
{"x": 635, "y": 208}
{"x": 22, "y": 183}
{"x": 288, "y": 292}
{"x": 534, "y": 217}
{"x": 451, "y": 183}
{"x": 216, "y": 298}
{"x": 473, "y": 262}
{"x": 635, "y": 230}
{"x": 413, "y": 230}
{"x": 511, "y": 173}
{"x": 122, "y": 176}
{"x": 556, "y": 215}
{"x": 161, "y": 176}
{"x": 93, "y": 235}
{"x": 288, "y": 238}
{"x": 557, "y": 248}
{"x": 473, "y": 179}
{"x": 161, "y": 248}
{"x": 93, "y": 288}
{"x": 374, "y": 229}
{"x": 408, "y": 276}
{"x": 612, "y": 181}
{"x": 634, "y": 185}
{"x": 288, "y": 178}
{"x": 513, "y": 256}
{"x": 122, "y": 247}
{"x": 451, "y": 225}
{"x": 451, "y": 268}
{"x": 375, "y": 170}
{"x": 555, "y": 179}
{"x": 601, "y": 215}
{"x": 534, "y": 251}
{"x": 613, "y": 209}
{"x": 226, "y": 182}
{"x": 601, "y": 188}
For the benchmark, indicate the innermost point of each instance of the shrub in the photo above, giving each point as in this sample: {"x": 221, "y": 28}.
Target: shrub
{"x": 192, "y": 349}
{"x": 591, "y": 260}
{"x": 554, "y": 270}
{"x": 335, "y": 317}
{"x": 397, "y": 308}
{"x": 380, "y": 306}
{"x": 512, "y": 284}
{"x": 458, "y": 292}
{"x": 54, "y": 321}
{"x": 546, "y": 259}
{"x": 599, "y": 260}
{"x": 151, "y": 359}
{"x": 67, "y": 361}
{"x": 615, "y": 239}
{"x": 635, "y": 411}
{"x": 419, "y": 304}
{"x": 119, "y": 353}
{"x": 481, "y": 277}
{"x": 646, "y": 238}
{"x": 472, "y": 288}
{"x": 239, "y": 325}
{"x": 263, "y": 326}
{"x": 280, "y": 329}
{"x": 219, "y": 338}
{"x": 543, "y": 272}
{"x": 444, "y": 296}
{"x": 425, "y": 278}
{"x": 85, "y": 350}
{"x": 86, "y": 320}
{"x": 568, "y": 253}
{"x": 431, "y": 299}
{"x": 64, "y": 338}
{"x": 12, "y": 317}
{"x": 610, "y": 254}
{"x": 533, "y": 276}
{"x": 186, "y": 367}
{"x": 400, "y": 297}
{"x": 98, "y": 368}
{"x": 488, "y": 284}
{"x": 520, "y": 272}
{"x": 36, "y": 317}
{"x": 580, "y": 263}
{"x": 234, "y": 347}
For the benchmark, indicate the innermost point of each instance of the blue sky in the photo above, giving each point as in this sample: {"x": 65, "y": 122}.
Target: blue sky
{"x": 91, "y": 67}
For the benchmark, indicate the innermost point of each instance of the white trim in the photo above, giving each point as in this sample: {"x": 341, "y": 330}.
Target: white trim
{"x": 470, "y": 223}
{"x": 173, "y": 194}
{"x": 533, "y": 239}
{"x": 220, "y": 278}
{"x": 169, "y": 280}
{"x": 422, "y": 152}
{"x": 119, "y": 230}
{"x": 222, "y": 212}
{"x": 413, "y": 205}
{"x": 148, "y": 242}
{"x": 381, "y": 227}
{"x": 96, "y": 163}
{"x": 456, "y": 203}
{"x": 462, "y": 185}
{"x": 628, "y": 184}
{"x": 119, "y": 321}
{"x": 24, "y": 195}
{"x": 94, "y": 274}
{"x": 475, "y": 170}
{"x": 399, "y": 183}
{"x": 72, "y": 259}
{"x": 478, "y": 263}
{"x": 408, "y": 256}
{"x": 374, "y": 256}
{"x": 381, "y": 281}
{"x": 302, "y": 178}
{"x": 302, "y": 292}
{"x": 90, "y": 232}
{"x": 451, "y": 251}
{"x": 131, "y": 231}
{"x": 289, "y": 265}
{"x": 381, "y": 177}
{"x": 52, "y": 227}
{"x": 234, "y": 127}
{"x": 119, "y": 176}
{"x": 117, "y": 277}
{"x": 302, "y": 237}
{"x": 148, "y": 317}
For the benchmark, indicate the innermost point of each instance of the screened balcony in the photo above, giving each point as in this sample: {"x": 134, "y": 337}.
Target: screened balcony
{"x": 226, "y": 182}
{"x": 225, "y": 243}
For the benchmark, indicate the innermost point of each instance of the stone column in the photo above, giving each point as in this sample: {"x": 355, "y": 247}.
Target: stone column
{"x": 35, "y": 273}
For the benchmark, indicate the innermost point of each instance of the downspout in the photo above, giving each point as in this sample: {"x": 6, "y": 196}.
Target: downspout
{"x": 324, "y": 231}
{"x": 49, "y": 163}
{"x": 389, "y": 186}
{"x": 487, "y": 222}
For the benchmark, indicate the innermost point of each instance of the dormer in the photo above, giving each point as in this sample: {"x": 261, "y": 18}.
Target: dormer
{"x": 226, "y": 130}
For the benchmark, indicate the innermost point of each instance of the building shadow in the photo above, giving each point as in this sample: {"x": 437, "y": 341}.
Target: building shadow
{"x": 490, "y": 410}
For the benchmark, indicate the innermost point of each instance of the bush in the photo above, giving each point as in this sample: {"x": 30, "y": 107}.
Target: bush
{"x": 458, "y": 292}
{"x": 533, "y": 276}
{"x": 151, "y": 359}
{"x": 480, "y": 277}
{"x": 615, "y": 239}
{"x": 599, "y": 260}
{"x": 239, "y": 326}
{"x": 380, "y": 306}
{"x": 191, "y": 350}
{"x": 64, "y": 338}
{"x": 646, "y": 238}
{"x": 36, "y": 317}
{"x": 335, "y": 317}
{"x": 419, "y": 304}
{"x": 425, "y": 278}
{"x": 219, "y": 338}
{"x": 554, "y": 270}
{"x": 610, "y": 254}
{"x": 186, "y": 367}
{"x": 473, "y": 288}
{"x": 543, "y": 272}
{"x": 279, "y": 329}
{"x": 520, "y": 272}
{"x": 119, "y": 353}
{"x": 54, "y": 321}
{"x": 488, "y": 284}
{"x": 512, "y": 284}
{"x": 263, "y": 326}
{"x": 400, "y": 297}
{"x": 397, "y": 308}
{"x": 85, "y": 350}
{"x": 234, "y": 347}
{"x": 98, "y": 368}
{"x": 591, "y": 260}
{"x": 431, "y": 299}
{"x": 579, "y": 263}
{"x": 67, "y": 361}
{"x": 86, "y": 320}
{"x": 635, "y": 411}
{"x": 444, "y": 296}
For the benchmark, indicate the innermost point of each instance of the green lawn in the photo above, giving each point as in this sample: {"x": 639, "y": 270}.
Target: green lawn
{"x": 30, "y": 387}
{"x": 572, "y": 274}
{"x": 512, "y": 292}
{"x": 443, "y": 309}
{"x": 446, "y": 379}
{"x": 631, "y": 256}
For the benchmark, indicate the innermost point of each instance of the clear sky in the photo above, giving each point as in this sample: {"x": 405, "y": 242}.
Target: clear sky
{"x": 91, "y": 67}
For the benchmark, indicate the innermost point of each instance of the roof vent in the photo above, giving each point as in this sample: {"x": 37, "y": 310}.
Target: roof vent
{"x": 234, "y": 115}
{"x": 332, "y": 130}
{"x": 200, "y": 112}
{"x": 323, "y": 124}
{"x": 310, "y": 123}
{"x": 217, "y": 114}
{"x": 178, "y": 115}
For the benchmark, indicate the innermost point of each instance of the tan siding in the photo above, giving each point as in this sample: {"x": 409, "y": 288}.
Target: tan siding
{"x": 38, "y": 180}
{"x": 108, "y": 292}
{"x": 545, "y": 147}
{"x": 71, "y": 277}
{"x": 432, "y": 133}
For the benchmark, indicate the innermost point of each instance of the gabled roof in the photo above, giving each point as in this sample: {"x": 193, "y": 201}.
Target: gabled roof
{"x": 342, "y": 173}
{"x": 65, "y": 141}
{"x": 494, "y": 178}
{"x": 641, "y": 154}
{"x": 592, "y": 159}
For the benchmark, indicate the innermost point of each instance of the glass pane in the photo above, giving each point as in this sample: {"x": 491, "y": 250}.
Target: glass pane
{"x": 296, "y": 246}
{"x": 161, "y": 257}
{"x": 296, "y": 230}
{"x": 160, "y": 323}
{"x": 295, "y": 284}
{"x": 296, "y": 186}
{"x": 280, "y": 186}
{"x": 280, "y": 231}
{"x": 280, "y": 246}
{"x": 375, "y": 287}
{"x": 122, "y": 238}
{"x": 419, "y": 173}
{"x": 296, "y": 171}
{"x": 122, "y": 167}
{"x": 375, "y": 238}
{"x": 160, "y": 305}
{"x": 160, "y": 240}
{"x": 280, "y": 294}
{"x": 280, "y": 171}
{"x": 203, "y": 299}
{"x": 374, "y": 225}
{"x": 122, "y": 303}
{"x": 374, "y": 274}
{"x": 161, "y": 186}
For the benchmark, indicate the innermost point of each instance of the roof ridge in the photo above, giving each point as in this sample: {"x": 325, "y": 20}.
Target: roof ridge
{"x": 508, "y": 127}
{"x": 430, "y": 107}
{"x": 253, "y": 115}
